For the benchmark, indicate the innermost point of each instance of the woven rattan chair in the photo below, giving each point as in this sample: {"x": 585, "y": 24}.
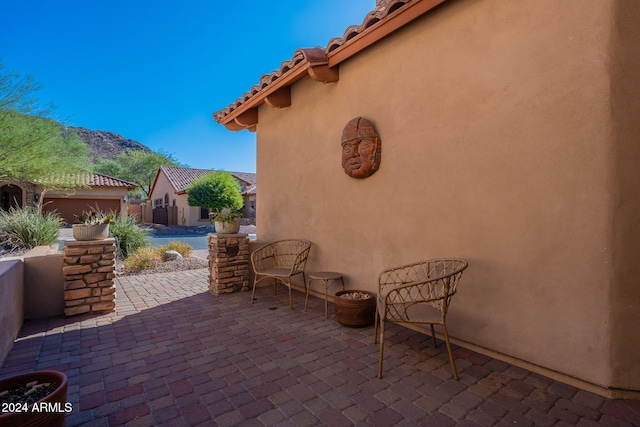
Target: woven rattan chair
{"x": 418, "y": 293}
{"x": 280, "y": 261}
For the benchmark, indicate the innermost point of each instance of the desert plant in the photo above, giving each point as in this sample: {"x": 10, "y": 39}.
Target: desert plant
{"x": 225, "y": 215}
{"x": 129, "y": 236}
{"x": 25, "y": 228}
{"x": 95, "y": 217}
{"x": 142, "y": 259}
{"x": 182, "y": 248}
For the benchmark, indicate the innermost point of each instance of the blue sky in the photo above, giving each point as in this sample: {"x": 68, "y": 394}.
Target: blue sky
{"x": 155, "y": 71}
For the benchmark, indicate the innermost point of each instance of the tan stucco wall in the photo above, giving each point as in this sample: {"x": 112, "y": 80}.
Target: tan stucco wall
{"x": 498, "y": 146}
{"x": 43, "y": 283}
{"x": 11, "y": 303}
{"x": 625, "y": 289}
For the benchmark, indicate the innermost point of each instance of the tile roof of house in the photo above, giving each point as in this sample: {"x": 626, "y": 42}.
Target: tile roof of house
{"x": 181, "y": 178}
{"x": 320, "y": 63}
{"x": 91, "y": 179}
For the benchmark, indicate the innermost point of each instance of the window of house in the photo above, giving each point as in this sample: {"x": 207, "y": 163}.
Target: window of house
{"x": 204, "y": 213}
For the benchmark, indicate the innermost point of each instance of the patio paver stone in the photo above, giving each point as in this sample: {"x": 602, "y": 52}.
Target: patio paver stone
{"x": 174, "y": 354}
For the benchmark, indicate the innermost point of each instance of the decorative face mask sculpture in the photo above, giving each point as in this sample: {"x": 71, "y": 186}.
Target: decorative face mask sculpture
{"x": 361, "y": 148}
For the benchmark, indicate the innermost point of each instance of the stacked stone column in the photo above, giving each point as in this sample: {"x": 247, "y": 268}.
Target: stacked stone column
{"x": 89, "y": 270}
{"x": 228, "y": 263}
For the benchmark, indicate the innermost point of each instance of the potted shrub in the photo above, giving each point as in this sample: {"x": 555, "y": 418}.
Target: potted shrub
{"x": 220, "y": 193}
{"x": 36, "y": 398}
{"x": 226, "y": 221}
{"x": 355, "y": 309}
{"x": 95, "y": 225}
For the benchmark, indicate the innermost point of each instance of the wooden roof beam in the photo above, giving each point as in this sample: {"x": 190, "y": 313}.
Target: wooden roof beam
{"x": 281, "y": 98}
{"x": 318, "y": 66}
{"x": 248, "y": 118}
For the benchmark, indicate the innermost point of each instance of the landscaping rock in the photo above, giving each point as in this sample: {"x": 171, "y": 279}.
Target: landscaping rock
{"x": 171, "y": 256}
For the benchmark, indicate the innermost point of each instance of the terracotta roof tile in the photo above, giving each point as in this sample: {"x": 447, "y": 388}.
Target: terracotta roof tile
{"x": 92, "y": 179}
{"x": 181, "y": 178}
{"x": 383, "y": 9}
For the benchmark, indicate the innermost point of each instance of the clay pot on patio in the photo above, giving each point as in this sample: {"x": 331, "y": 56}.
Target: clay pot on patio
{"x": 355, "y": 309}
{"x": 49, "y": 410}
{"x": 85, "y": 232}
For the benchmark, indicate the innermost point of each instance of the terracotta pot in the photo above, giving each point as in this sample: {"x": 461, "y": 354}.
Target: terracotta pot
{"x": 355, "y": 313}
{"x": 85, "y": 232}
{"x": 53, "y": 407}
{"x": 227, "y": 227}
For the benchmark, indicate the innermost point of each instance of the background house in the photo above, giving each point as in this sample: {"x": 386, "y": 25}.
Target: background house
{"x": 91, "y": 190}
{"x": 509, "y": 138}
{"x": 168, "y": 196}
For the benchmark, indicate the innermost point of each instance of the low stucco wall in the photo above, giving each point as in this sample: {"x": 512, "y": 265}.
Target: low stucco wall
{"x": 31, "y": 287}
{"x": 43, "y": 283}
{"x": 11, "y": 303}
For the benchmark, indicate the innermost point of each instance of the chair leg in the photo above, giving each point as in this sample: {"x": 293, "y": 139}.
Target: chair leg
{"x": 290, "y": 293}
{"x": 433, "y": 336}
{"x": 381, "y": 348}
{"x": 253, "y": 293}
{"x": 304, "y": 282}
{"x": 454, "y": 370}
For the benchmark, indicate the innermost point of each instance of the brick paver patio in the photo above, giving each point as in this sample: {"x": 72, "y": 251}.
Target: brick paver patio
{"x": 175, "y": 355}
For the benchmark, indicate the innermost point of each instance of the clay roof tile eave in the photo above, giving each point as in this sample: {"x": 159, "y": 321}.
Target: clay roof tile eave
{"x": 354, "y": 39}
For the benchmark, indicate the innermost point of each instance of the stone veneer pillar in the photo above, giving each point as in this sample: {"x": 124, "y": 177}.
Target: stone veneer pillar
{"x": 89, "y": 270}
{"x": 228, "y": 263}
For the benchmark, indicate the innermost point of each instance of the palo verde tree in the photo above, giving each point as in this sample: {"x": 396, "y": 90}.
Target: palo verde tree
{"x": 32, "y": 145}
{"x": 215, "y": 191}
{"x": 139, "y": 167}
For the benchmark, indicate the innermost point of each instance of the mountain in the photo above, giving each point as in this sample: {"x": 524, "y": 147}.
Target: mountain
{"x": 106, "y": 145}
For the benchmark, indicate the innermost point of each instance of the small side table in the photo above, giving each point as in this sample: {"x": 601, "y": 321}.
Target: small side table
{"x": 327, "y": 278}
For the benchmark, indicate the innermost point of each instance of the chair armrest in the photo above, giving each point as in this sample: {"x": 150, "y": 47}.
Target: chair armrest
{"x": 300, "y": 261}
{"x": 260, "y": 255}
{"x": 433, "y": 282}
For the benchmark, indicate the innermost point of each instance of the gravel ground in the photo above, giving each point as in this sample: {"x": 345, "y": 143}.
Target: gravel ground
{"x": 190, "y": 263}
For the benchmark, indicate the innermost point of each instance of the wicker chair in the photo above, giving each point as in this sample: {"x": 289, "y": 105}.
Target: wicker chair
{"x": 281, "y": 261}
{"x": 418, "y": 293}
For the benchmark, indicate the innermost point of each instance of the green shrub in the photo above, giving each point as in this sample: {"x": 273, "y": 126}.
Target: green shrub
{"x": 25, "y": 228}
{"x": 216, "y": 190}
{"x": 143, "y": 258}
{"x": 129, "y": 236}
{"x": 182, "y": 248}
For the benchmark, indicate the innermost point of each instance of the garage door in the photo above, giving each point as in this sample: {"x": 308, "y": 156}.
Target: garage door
{"x": 68, "y": 209}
